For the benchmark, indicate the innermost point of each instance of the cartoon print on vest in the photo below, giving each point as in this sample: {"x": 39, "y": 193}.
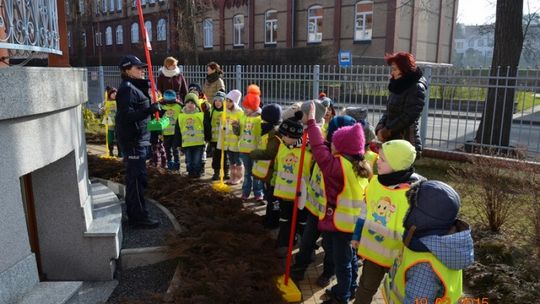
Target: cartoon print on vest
{"x": 288, "y": 167}
{"x": 318, "y": 180}
{"x": 248, "y": 131}
{"x": 383, "y": 210}
{"x": 190, "y": 127}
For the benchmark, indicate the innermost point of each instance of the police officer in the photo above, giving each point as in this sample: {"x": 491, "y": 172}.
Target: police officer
{"x": 134, "y": 110}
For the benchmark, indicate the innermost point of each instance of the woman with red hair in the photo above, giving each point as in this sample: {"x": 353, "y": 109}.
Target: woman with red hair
{"x": 405, "y": 102}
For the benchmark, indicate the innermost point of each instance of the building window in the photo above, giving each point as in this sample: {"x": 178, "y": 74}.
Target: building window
{"x": 315, "y": 24}
{"x": 134, "y": 33}
{"x": 143, "y": 2}
{"x": 151, "y": 1}
{"x": 97, "y": 38}
{"x": 104, "y": 7}
{"x": 83, "y": 39}
{"x": 119, "y": 5}
{"x": 111, "y": 6}
{"x": 238, "y": 29}
{"x": 459, "y": 45}
{"x": 134, "y": 3}
{"x": 162, "y": 30}
{"x": 480, "y": 42}
{"x": 119, "y": 35}
{"x": 471, "y": 43}
{"x": 208, "y": 33}
{"x": 70, "y": 43}
{"x": 363, "y": 24}
{"x": 81, "y": 6}
{"x": 108, "y": 35}
{"x": 148, "y": 27}
{"x": 270, "y": 27}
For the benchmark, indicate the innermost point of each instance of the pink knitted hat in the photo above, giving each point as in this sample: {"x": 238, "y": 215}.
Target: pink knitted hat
{"x": 349, "y": 140}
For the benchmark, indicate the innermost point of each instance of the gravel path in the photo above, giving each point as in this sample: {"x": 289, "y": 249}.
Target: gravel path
{"x": 137, "y": 238}
{"x": 143, "y": 283}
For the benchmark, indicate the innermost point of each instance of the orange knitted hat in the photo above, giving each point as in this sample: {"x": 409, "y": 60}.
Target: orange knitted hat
{"x": 252, "y": 100}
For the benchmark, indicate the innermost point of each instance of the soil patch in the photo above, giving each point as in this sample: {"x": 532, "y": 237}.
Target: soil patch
{"x": 225, "y": 254}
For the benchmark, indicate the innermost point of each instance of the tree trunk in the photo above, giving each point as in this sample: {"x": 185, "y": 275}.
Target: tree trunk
{"x": 496, "y": 124}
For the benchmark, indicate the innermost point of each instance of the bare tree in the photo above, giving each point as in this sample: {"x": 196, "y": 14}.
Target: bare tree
{"x": 188, "y": 17}
{"x": 496, "y": 123}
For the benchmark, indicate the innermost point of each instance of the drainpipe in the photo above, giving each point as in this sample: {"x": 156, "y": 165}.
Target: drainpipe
{"x": 293, "y": 21}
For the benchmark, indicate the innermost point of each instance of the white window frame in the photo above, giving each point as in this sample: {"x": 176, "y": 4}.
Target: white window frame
{"x": 361, "y": 33}
{"x": 104, "y": 7}
{"x": 119, "y": 4}
{"x": 148, "y": 27}
{"x": 119, "y": 34}
{"x": 111, "y": 6}
{"x": 81, "y": 6}
{"x": 268, "y": 25}
{"x": 208, "y": 33}
{"x": 134, "y": 32}
{"x": 151, "y": 1}
{"x": 162, "y": 30}
{"x": 83, "y": 38}
{"x": 134, "y": 3}
{"x": 97, "y": 38}
{"x": 316, "y": 35}
{"x": 108, "y": 36}
{"x": 239, "y": 26}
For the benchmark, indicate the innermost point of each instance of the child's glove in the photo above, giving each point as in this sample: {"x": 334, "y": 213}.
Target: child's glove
{"x": 354, "y": 244}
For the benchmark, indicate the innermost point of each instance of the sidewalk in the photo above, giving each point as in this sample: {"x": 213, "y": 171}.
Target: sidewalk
{"x": 311, "y": 293}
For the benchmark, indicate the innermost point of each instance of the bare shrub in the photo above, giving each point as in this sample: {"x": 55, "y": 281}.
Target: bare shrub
{"x": 492, "y": 185}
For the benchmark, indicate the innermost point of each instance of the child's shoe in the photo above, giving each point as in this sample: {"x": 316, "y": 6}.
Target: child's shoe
{"x": 170, "y": 165}
{"x": 244, "y": 197}
{"x": 259, "y": 198}
{"x": 215, "y": 177}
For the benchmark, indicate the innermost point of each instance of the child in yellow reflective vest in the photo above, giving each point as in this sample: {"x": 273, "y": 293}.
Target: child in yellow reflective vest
{"x": 437, "y": 247}
{"x": 315, "y": 184}
{"x": 109, "y": 113}
{"x": 264, "y": 156}
{"x": 249, "y": 133}
{"x": 215, "y": 120}
{"x": 227, "y": 139}
{"x": 345, "y": 176}
{"x": 192, "y": 134}
{"x": 287, "y": 166}
{"x": 378, "y": 233}
{"x": 172, "y": 109}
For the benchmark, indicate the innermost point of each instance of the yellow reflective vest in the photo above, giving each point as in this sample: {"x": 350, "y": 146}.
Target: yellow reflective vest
{"x": 381, "y": 239}
{"x": 231, "y": 140}
{"x": 109, "y": 113}
{"x": 261, "y": 168}
{"x": 214, "y": 122}
{"x": 192, "y": 129}
{"x": 316, "y": 196}
{"x": 395, "y": 282}
{"x": 171, "y": 111}
{"x": 250, "y": 133}
{"x": 286, "y": 166}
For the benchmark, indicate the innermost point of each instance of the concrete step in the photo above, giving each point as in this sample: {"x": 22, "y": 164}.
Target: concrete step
{"x": 96, "y": 292}
{"x": 105, "y": 231}
{"x": 53, "y": 293}
{"x": 107, "y": 214}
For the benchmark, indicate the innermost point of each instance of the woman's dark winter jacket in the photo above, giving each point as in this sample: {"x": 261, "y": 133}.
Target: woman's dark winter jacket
{"x": 176, "y": 83}
{"x": 133, "y": 113}
{"x": 405, "y": 104}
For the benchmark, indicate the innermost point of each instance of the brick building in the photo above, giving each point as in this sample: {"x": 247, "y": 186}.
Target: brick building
{"x": 278, "y": 31}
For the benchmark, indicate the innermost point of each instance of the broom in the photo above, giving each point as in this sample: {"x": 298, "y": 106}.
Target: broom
{"x": 155, "y": 124}
{"x": 290, "y": 291}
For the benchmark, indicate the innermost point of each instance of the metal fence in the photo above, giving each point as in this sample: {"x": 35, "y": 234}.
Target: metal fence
{"x": 452, "y": 113}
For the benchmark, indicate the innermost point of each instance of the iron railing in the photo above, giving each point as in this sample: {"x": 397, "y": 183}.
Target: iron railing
{"x": 452, "y": 113}
{"x": 29, "y": 25}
